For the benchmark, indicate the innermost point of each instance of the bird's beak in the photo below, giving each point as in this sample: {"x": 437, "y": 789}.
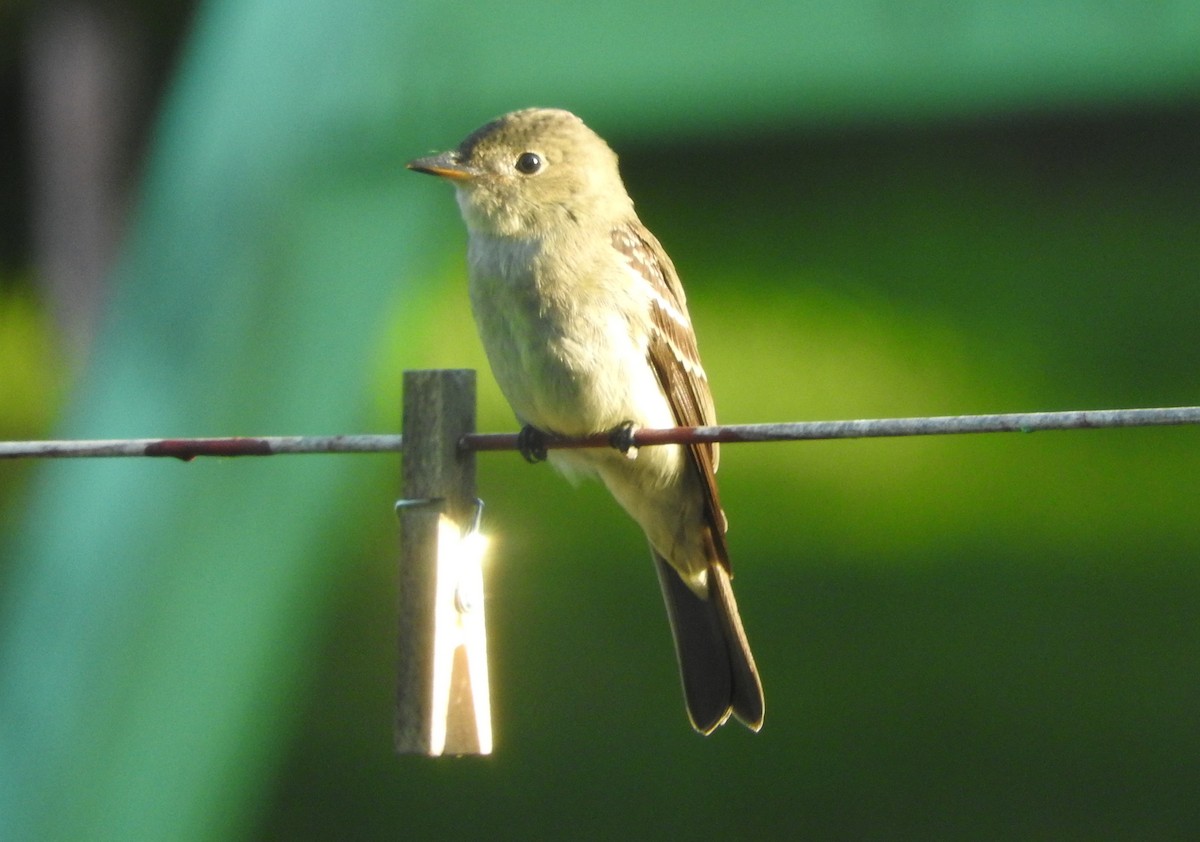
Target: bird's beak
{"x": 445, "y": 165}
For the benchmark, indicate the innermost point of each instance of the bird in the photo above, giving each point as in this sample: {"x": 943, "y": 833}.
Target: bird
{"x": 586, "y": 329}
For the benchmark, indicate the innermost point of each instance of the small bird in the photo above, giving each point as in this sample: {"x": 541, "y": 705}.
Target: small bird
{"x": 586, "y": 329}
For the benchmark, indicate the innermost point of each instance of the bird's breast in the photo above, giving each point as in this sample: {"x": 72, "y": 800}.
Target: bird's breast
{"x": 565, "y": 340}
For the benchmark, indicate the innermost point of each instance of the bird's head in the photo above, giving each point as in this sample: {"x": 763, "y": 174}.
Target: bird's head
{"x": 532, "y": 172}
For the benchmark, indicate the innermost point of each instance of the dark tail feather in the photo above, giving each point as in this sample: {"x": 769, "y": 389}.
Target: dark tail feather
{"x": 748, "y": 704}
{"x": 715, "y": 663}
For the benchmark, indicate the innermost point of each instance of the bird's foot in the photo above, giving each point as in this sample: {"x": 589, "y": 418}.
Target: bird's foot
{"x": 531, "y": 443}
{"x": 621, "y": 437}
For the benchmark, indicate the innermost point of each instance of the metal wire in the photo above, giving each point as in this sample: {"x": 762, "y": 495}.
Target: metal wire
{"x": 187, "y": 449}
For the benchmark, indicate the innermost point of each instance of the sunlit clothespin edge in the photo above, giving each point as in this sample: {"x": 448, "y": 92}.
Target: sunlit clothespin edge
{"x": 459, "y": 622}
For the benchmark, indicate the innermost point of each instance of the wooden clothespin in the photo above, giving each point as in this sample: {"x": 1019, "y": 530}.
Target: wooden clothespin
{"x": 442, "y": 697}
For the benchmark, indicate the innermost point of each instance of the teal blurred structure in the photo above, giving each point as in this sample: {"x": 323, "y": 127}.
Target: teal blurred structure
{"x": 958, "y": 639}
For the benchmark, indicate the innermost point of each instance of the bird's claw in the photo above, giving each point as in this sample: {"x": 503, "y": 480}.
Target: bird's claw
{"x": 621, "y": 437}
{"x": 531, "y": 443}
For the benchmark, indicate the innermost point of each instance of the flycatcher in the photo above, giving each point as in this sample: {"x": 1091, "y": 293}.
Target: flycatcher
{"x": 586, "y": 328}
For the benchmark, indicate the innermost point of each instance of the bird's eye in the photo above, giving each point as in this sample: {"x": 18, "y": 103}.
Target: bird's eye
{"x": 529, "y": 163}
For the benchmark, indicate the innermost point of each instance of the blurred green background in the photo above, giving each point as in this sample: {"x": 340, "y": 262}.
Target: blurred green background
{"x": 878, "y": 208}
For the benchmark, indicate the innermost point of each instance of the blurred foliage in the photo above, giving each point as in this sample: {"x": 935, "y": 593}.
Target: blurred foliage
{"x": 960, "y": 637}
{"x": 32, "y": 377}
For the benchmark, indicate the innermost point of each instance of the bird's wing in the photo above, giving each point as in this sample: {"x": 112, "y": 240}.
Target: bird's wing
{"x": 675, "y": 359}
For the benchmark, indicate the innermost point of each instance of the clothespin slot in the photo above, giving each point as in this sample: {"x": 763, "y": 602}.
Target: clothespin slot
{"x": 442, "y": 694}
